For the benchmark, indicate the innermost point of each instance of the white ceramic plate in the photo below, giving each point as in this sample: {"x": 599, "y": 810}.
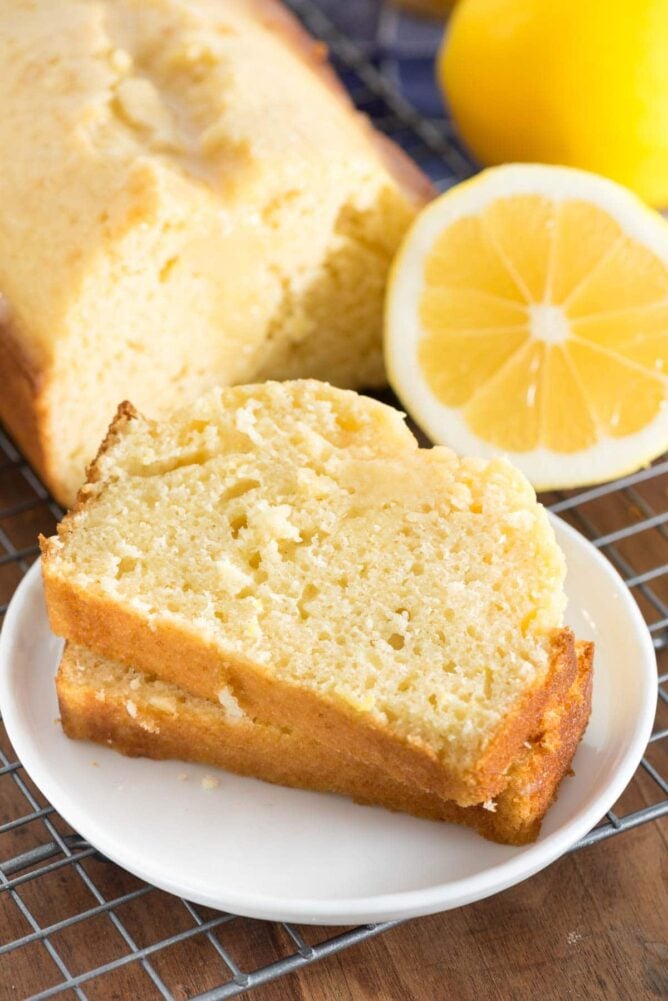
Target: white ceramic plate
{"x": 268, "y": 852}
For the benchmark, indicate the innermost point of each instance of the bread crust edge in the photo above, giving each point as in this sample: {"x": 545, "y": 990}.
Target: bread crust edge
{"x": 24, "y": 406}
{"x": 295, "y": 760}
{"x": 184, "y": 659}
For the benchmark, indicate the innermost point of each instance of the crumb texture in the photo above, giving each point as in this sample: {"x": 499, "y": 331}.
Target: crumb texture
{"x": 300, "y": 528}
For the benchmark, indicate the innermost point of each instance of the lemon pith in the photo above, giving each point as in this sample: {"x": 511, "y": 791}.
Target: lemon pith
{"x": 528, "y": 314}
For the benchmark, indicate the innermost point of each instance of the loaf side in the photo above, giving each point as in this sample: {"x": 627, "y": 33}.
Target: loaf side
{"x": 191, "y": 200}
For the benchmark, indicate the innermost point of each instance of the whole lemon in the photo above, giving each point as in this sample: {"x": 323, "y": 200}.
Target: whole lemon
{"x": 576, "y": 82}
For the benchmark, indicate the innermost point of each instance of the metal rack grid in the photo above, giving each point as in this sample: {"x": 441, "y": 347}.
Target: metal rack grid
{"x": 626, "y": 520}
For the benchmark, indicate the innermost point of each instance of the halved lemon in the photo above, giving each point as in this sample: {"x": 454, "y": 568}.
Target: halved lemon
{"x": 527, "y": 314}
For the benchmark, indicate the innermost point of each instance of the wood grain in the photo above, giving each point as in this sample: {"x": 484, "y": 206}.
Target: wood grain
{"x": 592, "y": 926}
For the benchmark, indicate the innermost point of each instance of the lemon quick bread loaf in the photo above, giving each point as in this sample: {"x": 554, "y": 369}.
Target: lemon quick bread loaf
{"x": 289, "y": 541}
{"x": 120, "y": 707}
{"x": 191, "y": 200}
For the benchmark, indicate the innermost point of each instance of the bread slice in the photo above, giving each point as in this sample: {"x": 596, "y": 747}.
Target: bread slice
{"x": 192, "y": 200}
{"x": 290, "y": 542}
{"x": 138, "y": 715}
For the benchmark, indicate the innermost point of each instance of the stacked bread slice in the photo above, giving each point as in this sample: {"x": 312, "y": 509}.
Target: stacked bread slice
{"x": 278, "y": 581}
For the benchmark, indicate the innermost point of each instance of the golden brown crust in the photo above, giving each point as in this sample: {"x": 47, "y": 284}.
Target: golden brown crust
{"x": 535, "y": 782}
{"x": 291, "y": 758}
{"x": 525, "y": 717}
{"x": 186, "y": 659}
{"x": 125, "y": 413}
{"x": 22, "y": 403}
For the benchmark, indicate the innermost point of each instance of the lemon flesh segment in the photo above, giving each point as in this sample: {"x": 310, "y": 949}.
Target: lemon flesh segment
{"x": 637, "y": 334}
{"x": 583, "y": 235}
{"x": 459, "y": 364}
{"x": 629, "y": 275}
{"x": 465, "y": 257}
{"x": 467, "y": 310}
{"x": 623, "y": 396}
{"x": 568, "y": 424}
{"x": 533, "y": 321}
{"x": 514, "y": 428}
{"x": 522, "y": 228}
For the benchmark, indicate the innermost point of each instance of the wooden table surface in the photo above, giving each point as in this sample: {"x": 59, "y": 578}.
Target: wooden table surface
{"x": 594, "y": 925}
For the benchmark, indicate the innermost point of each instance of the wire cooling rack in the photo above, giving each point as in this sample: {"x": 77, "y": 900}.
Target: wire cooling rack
{"x": 71, "y": 922}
